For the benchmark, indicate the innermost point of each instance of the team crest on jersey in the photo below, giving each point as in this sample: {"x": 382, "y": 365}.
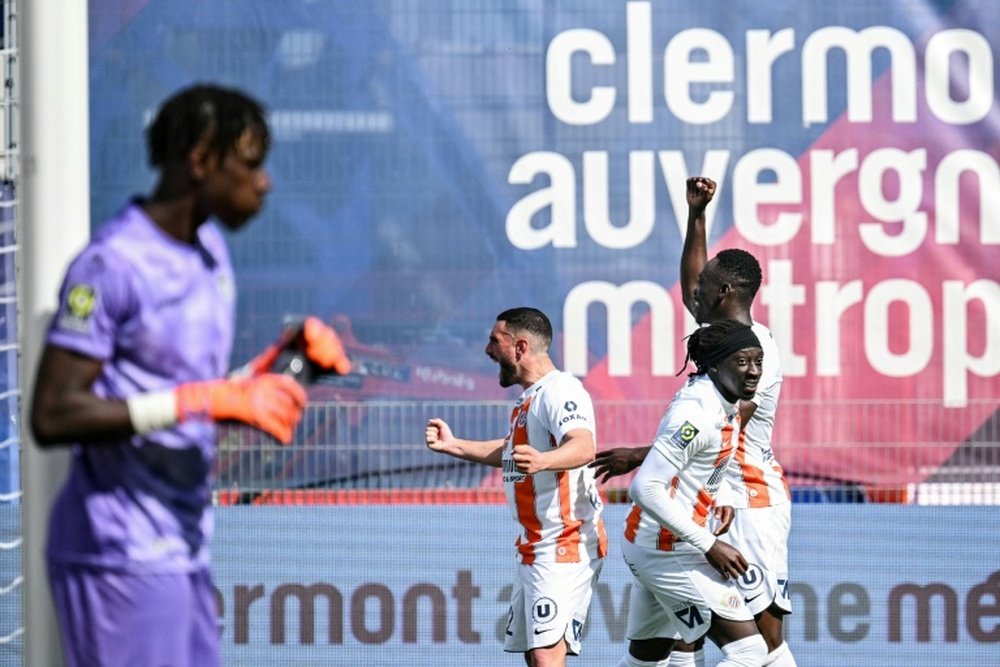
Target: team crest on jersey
{"x": 732, "y": 600}
{"x": 81, "y": 300}
{"x": 684, "y": 435}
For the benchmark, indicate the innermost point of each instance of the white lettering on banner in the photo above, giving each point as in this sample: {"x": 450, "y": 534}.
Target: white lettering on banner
{"x": 557, "y": 200}
{"x": 858, "y": 47}
{"x": 958, "y": 62}
{"x": 958, "y": 359}
{"x": 907, "y": 198}
{"x": 618, "y": 303}
{"x": 974, "y": 76}
{"x": 828, "y": 170}
{"x": 780, "y": 295}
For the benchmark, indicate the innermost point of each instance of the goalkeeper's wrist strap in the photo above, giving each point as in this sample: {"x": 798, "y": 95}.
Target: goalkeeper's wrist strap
{"x": 152, "y": 411}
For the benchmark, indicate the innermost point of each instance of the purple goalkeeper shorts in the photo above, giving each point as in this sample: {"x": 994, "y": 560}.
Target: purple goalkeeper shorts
{"x": 115, "y": 619}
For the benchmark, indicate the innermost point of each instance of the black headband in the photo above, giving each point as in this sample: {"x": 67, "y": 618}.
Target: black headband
{"x": 735, "y": 340}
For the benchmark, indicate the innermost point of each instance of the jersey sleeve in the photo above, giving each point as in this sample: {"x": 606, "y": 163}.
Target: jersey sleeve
{"x": 568, "y": 406}
{"x": 93, "y": 301}
{"x": 650, "y": 490}
{"x": 682, "y": 432}
{"x": 770, "y": 378}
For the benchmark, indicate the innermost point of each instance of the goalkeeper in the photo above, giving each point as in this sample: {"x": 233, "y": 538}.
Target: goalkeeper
{"x": 134, "y": 378}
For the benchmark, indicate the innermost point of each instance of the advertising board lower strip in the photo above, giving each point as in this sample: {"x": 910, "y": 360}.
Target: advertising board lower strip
{"x": 428, "y": 585}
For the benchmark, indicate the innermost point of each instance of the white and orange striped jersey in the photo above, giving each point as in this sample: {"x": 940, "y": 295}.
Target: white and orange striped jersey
{"x": 559, "y": 511}
{"x": 757, "y": 479}
{"x": 697, "y": 442}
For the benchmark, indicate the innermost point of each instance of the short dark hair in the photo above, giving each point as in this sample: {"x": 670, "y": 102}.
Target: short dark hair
{"x": 742, "y": 271}
{"x": 188, "y": 115}
{"x": 527, "y": 319}
{"x": 703, "y": 344}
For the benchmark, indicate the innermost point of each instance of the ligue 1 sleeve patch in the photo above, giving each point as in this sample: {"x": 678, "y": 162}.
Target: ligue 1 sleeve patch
{"x": 684, "y": 435}
{"x": 81, "y": 300}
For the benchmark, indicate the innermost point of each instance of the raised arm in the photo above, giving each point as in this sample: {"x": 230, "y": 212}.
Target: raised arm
{"x": 700, "y": 191}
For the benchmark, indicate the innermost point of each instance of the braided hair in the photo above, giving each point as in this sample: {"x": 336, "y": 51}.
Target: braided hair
{"x": 223, "y": 114}
{"x": 709, "y": 345}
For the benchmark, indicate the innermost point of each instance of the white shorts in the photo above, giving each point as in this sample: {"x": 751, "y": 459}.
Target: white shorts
{"x": 761, "y": 535}
{"x": 550, "y": 602}
{"x": 675, "y": 593}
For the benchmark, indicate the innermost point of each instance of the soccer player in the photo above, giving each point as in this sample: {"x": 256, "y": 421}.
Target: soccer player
{"x": 551, "y": 491}
{"x": 712, "y": 290}
{"x": 133, "y": 378}
{"x": 682, "y": 572}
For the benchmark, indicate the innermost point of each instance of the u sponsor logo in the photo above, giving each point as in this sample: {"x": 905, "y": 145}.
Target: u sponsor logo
{"x": 751, "y": 579}
{"x": 544, "y": 610}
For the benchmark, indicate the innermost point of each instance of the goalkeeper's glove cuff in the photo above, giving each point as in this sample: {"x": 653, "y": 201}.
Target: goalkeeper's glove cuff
{"x": 152, "y": 411}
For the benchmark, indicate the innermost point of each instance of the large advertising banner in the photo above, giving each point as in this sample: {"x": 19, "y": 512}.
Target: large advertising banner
{"x": 405, "y": 585}
{"x": 436, "y": 162}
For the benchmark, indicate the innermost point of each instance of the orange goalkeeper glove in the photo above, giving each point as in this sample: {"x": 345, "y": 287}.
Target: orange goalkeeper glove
{"x": 322, "y": 347}
{"x": 271, "y": 403}
{"x": 315, "y": 340}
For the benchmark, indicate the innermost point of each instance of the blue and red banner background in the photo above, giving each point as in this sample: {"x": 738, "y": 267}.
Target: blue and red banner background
{"x": 437, "y": 162}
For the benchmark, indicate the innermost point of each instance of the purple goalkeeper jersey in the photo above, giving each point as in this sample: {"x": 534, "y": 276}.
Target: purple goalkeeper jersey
{"x": 157, "y": 312}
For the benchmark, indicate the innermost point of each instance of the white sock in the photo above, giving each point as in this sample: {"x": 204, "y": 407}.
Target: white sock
{"x": 747, "y": 652}
{"x": 681, "y": 659}
{"x": 781, "y": 657}
{"x": 628, "y": 661}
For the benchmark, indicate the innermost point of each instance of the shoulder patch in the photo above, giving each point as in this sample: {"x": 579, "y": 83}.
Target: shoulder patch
{"x": 683, "y": 436}
{"x": 80, "y": 301}
{"x": 75, "y": 312}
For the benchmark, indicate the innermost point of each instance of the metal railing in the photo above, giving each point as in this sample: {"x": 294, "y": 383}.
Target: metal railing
{"x": 840, "y": 451}
{"x": 11, "y": 616}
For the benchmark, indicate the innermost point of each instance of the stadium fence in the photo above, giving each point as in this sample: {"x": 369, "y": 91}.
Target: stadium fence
{"x": 373, "y": 452}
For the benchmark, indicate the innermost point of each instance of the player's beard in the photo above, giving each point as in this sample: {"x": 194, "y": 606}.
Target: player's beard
{"x": 508, "y": 373}
{"x": 704, "y": 312}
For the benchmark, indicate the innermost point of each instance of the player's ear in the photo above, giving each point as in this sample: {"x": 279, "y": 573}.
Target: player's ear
{"x": 201, "y": 158}
{"x": 521, "y": 345}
